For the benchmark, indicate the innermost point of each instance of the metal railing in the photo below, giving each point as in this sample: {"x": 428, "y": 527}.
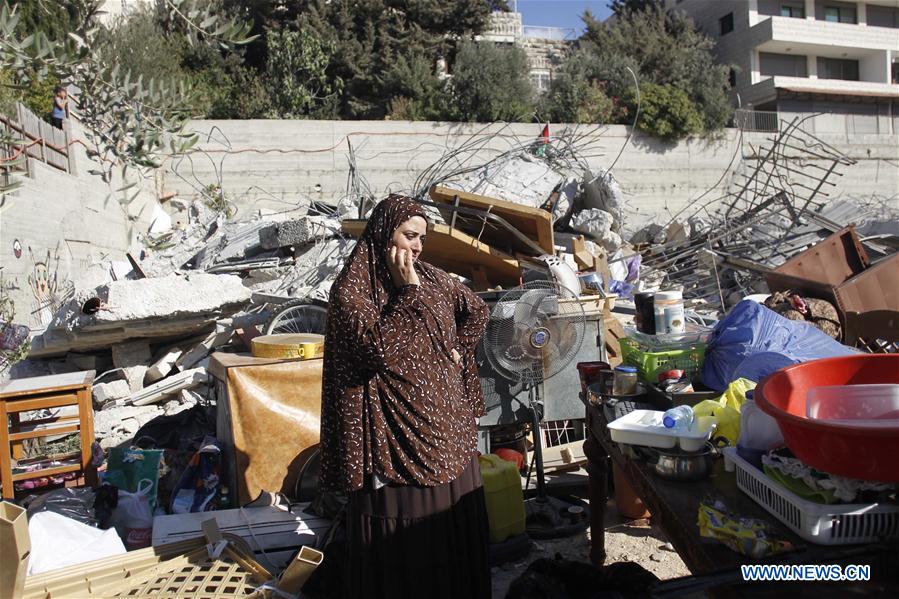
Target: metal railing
{"x": 36, "y": 139}
{"x": 756, "y": 120}
{"x": 548, "y": 33}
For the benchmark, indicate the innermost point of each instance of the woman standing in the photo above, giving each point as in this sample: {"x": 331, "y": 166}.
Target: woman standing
{"x": 399, "y": 404}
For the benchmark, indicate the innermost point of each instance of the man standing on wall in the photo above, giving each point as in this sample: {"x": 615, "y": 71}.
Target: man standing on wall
{"x": 60, "y": 107}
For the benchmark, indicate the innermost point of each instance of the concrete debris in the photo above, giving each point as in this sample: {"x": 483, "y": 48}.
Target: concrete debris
{"x": 192, "y": 356}
{"x": 313, "y": 272}
{"x": 168, "y": 386}
{"x": 297, "y": 232}
{"x": 521, "y": 178}
{"x": 104, "y": 393}
{"x": 116, "y": 425}
{"x": 160, "y": 307}
{"x": 602, "y": 191}
{"x": 597, "y": 224}
{"x": 132, "y": 357}
{"x": 163, "y": 365}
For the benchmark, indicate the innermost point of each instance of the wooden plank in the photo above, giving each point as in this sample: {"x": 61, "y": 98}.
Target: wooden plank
{"x": 46, "y": 472}
{"x": 5, "y": 456}
{"x": 47, "y": 384}
{"x": 39, "y": 403}
{"x": 44, "y": 431}
{"x": 568, "y": 456}
{"x": 535, "y": 223}
{"x": 454, "y": 251}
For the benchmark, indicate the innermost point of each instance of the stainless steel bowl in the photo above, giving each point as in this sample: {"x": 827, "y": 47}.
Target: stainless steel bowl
{"x": 683, "y": 465}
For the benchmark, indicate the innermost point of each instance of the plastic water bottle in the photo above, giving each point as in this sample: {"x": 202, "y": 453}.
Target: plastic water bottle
{"x": 679, "y": 419}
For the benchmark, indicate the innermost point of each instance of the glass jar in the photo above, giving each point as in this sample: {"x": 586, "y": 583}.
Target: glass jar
{"x": 668, "y": 307}
{"x": 624, "y": 381}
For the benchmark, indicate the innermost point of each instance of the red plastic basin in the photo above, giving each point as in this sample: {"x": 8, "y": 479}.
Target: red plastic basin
{"x": 853, "y": 451}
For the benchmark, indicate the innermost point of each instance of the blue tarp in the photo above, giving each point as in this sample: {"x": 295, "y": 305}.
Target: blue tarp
{"x": 752, "y": 342}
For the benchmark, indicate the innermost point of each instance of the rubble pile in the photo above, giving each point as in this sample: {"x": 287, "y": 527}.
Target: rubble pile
{"x": 206, "y": 283}
{"x": 721, "y": 251}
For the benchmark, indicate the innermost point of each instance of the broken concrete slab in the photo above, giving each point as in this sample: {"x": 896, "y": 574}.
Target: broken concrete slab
{"x": 144, "y": 308}
{"x": 297, "y": 232}
{"x": 215, "y": 339}
{"x": 313, "y": 273}
{"x": 133, "y": 358}
{"x": 104, "y": 393}
{"x": 165, "y": 387}
{"x": 163, "y": 366}
{"x": 520, "y": 178}
{"x": 112, "y": 425}
{"x": 603, "y": 192}
{"x": 597, "y": 224}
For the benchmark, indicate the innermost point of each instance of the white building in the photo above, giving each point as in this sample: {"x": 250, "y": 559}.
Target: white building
{"x": 807, "y": 56}
{"x": 112, "y": 9}
{"x": 546, "y": 47}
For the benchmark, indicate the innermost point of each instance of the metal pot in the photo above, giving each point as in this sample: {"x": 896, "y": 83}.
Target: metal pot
{"x": 685, "y": 466}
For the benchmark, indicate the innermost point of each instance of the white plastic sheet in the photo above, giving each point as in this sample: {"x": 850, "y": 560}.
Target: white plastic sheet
{"x": 57, "y": 542}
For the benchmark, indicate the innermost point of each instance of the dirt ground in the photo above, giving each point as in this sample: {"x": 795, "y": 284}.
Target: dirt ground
{"x": 635, "y": 541}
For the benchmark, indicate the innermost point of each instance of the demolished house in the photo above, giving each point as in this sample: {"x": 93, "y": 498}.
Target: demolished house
{"x": 172, "y": 343}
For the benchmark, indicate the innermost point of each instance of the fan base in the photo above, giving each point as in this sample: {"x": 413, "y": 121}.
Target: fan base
{"x": 553, "y": 517}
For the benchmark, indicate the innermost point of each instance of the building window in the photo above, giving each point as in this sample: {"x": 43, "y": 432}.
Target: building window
{"x": 726, "y": 23}
{"x": 895, "y": 73}
{"x": 732, "y": 78}
{"x": 794, "y": 10}
{"x": 782, "y": 65}
{"x": 839, "y": 14}
{"x": 541, "y": 82}
{"x": 835, "y": 68}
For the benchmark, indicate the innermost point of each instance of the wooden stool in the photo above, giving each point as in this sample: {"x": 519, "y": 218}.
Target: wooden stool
{"x": 55, "y": 391}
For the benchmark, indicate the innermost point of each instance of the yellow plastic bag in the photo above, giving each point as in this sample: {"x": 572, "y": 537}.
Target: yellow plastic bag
{"x": 735, "y": 394}
{"x": 726, "y": 409}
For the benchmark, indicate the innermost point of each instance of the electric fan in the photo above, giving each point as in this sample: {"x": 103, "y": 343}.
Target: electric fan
{"x": 535, "y": 331}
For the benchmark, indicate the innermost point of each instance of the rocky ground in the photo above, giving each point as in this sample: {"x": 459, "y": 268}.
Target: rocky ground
{"x": 626, "y": 540}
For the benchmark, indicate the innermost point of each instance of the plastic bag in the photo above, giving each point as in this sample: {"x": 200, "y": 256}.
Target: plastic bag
{"x": 726, "y": 409}
{"x": 727, "y": 418}
{"x": 134, "y": 516}
{"x": 753, "y": 341}
{"x": 71, "y": 502}
{"x": 128, "y": 467}
{"x": 57, "y": 542}
{"x": 199, "y": 482}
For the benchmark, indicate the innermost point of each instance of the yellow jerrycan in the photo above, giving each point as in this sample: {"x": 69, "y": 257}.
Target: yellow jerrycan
{"x": 504, "y": 498}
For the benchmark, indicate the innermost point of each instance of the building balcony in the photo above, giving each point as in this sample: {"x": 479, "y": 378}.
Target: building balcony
{"x": 821, "y": 38}
{"x": 766, "y": 90}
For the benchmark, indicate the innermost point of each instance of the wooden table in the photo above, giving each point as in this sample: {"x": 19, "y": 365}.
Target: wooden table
{"x": 37, "y": 393}
{"x": 674, "y": 506}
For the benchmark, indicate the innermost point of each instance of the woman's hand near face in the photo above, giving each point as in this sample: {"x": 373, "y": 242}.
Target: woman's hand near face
{"x": 402, "y": 267}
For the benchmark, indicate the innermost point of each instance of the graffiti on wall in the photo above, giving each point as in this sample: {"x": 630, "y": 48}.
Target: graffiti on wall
{"x": 43, "y": 280}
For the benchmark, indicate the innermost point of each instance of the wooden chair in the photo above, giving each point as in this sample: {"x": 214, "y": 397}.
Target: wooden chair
{"x": 875, "y": 331}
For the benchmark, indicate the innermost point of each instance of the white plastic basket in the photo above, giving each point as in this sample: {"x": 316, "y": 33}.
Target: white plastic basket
{"x": 819, "y": 523}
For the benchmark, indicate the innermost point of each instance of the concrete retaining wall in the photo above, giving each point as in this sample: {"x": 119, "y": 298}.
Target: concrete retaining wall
{"x": 277, "y": 165}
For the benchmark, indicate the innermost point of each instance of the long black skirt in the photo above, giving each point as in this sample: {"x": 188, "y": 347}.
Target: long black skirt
{"x": 409, "y": 541}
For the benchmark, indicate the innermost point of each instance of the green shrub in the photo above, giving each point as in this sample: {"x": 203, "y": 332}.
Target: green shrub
{"x": 666, "y": 112}
{"x": 491, "y": 83}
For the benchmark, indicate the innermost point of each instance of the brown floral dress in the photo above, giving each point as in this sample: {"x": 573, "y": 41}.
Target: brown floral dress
{"x": 398, "y": 410}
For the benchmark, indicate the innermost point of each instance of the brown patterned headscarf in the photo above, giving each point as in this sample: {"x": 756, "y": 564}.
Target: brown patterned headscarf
{"x": 394, "y": 403}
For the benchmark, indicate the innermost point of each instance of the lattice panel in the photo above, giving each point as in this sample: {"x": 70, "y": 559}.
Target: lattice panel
{"x": 196, "y": 576}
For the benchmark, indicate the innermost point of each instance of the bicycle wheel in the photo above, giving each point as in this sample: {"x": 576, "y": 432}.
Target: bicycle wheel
{"x": 299, "y": 316}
